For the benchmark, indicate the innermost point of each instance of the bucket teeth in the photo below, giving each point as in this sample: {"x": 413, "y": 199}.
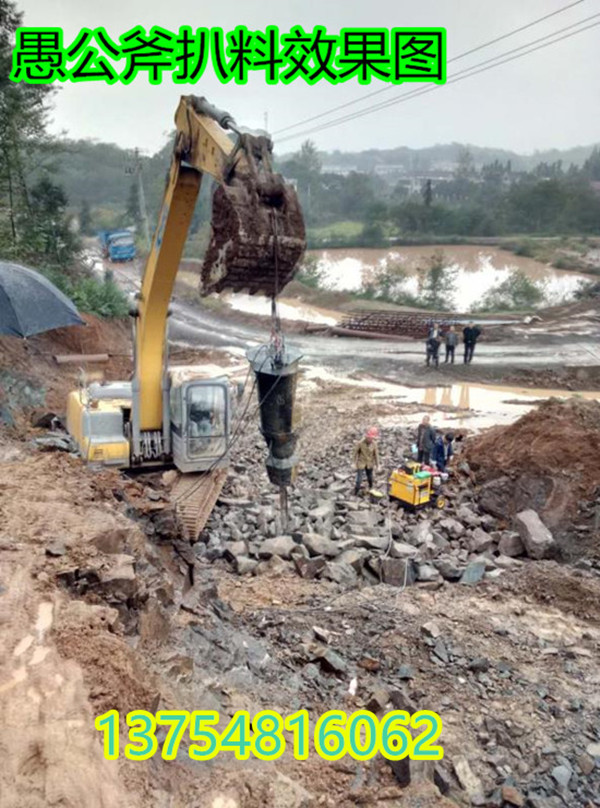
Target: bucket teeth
{"x": 241, "y": 253}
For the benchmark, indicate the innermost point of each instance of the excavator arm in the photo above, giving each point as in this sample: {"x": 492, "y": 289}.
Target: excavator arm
{"x": 257, "y": 240}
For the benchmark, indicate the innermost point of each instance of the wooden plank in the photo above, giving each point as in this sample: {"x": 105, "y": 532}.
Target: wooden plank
{"x": 68, "y": 359}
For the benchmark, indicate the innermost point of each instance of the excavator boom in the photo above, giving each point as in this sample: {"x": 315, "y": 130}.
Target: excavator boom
{"x": 256, "y": 242}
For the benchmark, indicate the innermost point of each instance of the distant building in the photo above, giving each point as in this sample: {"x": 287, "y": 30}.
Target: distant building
{"x": 342, "y": 170}
{"x": 386, "y": 170}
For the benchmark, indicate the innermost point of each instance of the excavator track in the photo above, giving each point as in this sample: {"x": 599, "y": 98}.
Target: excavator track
{"x": 195, "y": 495}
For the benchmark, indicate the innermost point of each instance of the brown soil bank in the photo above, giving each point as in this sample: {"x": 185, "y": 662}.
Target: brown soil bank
{"x": 548, "y": 460}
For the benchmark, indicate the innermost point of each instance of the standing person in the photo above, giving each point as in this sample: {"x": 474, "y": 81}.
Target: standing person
{"x": 433, "y": 345}
{"x": 442, "y": 450}
{"x": 470, "y": 335}
{"x": 425, "y": 440}
{"x": 366, "y": 458}
{"x": 451, "y": 343}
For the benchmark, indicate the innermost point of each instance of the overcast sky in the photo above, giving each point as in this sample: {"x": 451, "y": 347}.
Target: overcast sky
{"x": 544, "y": 100}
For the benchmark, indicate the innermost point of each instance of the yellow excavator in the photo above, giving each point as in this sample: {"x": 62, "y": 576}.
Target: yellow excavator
{"x": 181, "y": 416}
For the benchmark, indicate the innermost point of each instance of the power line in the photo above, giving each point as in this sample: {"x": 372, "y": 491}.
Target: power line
{"x": 467, "y": 70}
{"x": 471, "y": 71}
{"x": 454, "y": 59}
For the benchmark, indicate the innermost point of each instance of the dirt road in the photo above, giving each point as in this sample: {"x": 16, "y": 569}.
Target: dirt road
{"x": 545, "y": 349}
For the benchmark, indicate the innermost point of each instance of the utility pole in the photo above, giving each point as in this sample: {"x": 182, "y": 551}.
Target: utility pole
{"x": 266, "y": 120}
{"x": 137, "y": 170}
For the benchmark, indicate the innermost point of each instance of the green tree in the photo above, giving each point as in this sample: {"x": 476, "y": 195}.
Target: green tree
{"x": 310, "y": 273}
{"x": 438, "y": 285}
{"x": 427, "y": 194}
{"x": 47, "y": 227}
{"x": 516, "y": 292}
{"x": 24, "y": 143}
{"x": 591, "y": 167}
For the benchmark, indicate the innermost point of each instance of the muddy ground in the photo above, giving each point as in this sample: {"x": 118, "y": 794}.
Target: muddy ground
{"x": 102, "y": 607}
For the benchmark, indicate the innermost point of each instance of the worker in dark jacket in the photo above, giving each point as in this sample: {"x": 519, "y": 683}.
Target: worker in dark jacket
{"x": 451, "y": 343}
{"x": 470, "y": 336}
{"x": 366, "y": 458}
{"x": 432, "y": 346}
{"x": 425, "y": 440}
{"x": 442, "y": 450}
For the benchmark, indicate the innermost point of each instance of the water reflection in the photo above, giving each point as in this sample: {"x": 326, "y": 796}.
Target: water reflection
{"x": 477, "y": 270}
{"x": 488, "y": 404}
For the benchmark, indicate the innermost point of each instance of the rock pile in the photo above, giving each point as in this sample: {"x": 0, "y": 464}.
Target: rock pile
{"x": 352, "y": 541}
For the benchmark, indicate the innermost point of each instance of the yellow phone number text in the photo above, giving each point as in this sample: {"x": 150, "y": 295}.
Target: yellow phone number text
{"x": 361, "y": 735}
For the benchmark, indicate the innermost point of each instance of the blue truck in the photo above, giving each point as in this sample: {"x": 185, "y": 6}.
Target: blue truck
{"x": 117, "y": 245}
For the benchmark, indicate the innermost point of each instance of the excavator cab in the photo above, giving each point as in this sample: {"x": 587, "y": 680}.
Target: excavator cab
{"x": 200, "y": 411}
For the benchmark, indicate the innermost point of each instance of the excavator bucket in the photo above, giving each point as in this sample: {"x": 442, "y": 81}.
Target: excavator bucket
{"x": 257, "y": 236}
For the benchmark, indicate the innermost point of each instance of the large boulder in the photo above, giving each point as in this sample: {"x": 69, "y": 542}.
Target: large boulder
{"x": 537, "y": 539}
{"x": 318, "y": 545}
{"x": 400, "y": 549}
{"x": 372, "y": 542}
{"x": 422, "y": 533}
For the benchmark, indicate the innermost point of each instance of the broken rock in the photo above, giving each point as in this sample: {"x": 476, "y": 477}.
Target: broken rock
{"x": 480, "y": 541}
{"x": 538, "y": 541}
{"x": 468, "y": 517}
{"x": 372, "y": 542}
{"x": 378, "y": 700}
{"x": 244, "y": 564}
{"x": 330, "y": 661}
{"x": 119, "y": 580}
{"x": 427, "y": 573}
{"x": 473, "y": 573}
{"x": 511, "y": 545}
{"x": 401, "y": 549}
{"x": 287, "y": 793}
{"x": 318, "y": 545}
{"x": 398, "y": 571}
{"x": 469, "y": 781}
{"x": 340, "y": 573}
{"x": 448, "y": 568}
{"x": 281, "y": 546}
{"x": 422, "y": 533}
{"x": 431, "y": 629}
{"x": 309, "y": 568}
{"x": 353, "y": 556}
{"x": 452, "y": 527}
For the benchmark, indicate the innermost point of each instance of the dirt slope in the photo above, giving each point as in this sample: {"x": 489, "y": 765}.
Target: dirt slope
{"x": 549, "y": 460}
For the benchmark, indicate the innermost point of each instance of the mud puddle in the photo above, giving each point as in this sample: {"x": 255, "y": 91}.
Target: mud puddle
{"x": 473, "y": 406}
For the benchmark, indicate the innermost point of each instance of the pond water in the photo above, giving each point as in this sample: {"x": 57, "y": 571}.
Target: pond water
{"x": 477, "y": 270}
